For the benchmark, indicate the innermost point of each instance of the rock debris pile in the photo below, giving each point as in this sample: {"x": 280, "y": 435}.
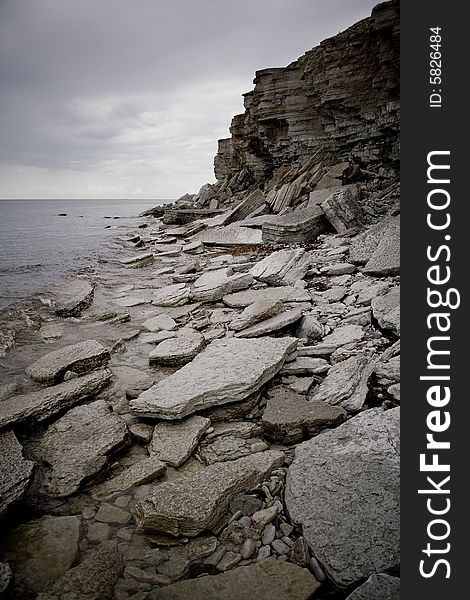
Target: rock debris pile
{"x": 222, "y": 421}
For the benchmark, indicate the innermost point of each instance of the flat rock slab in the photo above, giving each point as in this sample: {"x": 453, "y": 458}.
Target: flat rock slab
{"x": 306, "y": 365}
{"x": 289, "y": 418}
{"x": 171, "y": 295}
{"x": 385, "y": 259}
{"x": 346, "y": 334}
{"x": 365, "y": 244}
{"x": 179, "y": 350}
{"x": 80, "y": 358}
{"x": 232, "y": 235}
{"x": 92, "y": 579}
{"x": 73, "y": 298}
{"x": 282, "y": 293}
{"x": 343, "y": 210}
{"x": 45, "y": 403}
{"x": 160, "y": 323}
{"x": 343, "y": 488}
{"x": 274, "y": 268}
{"x": 266, "y": 580}
{"x": 386, "y": 310}
{"x": 229, "y": 447}
{"x": 197, "y": 502}
{"x": 77, "y": 446}
{"x": 258, "y": 311}
{"x": 295, "y": 227}
{"x": 228, "y": 370}
{"x": 39, "y": 552}
{"x": 15, "y": 470}
{"x": 346, "y": 383}
{"x": 173, "y": 443}
{"x": 214, "y": 285}
{"x": 141, "y": 260}
{"x": 272, "y": 324}
{"x": 378, "y": 587}
{"x": 139, "y": 473}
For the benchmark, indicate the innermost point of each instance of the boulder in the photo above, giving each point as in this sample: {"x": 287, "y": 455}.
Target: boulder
{"x": 264, "y": 581}
{"x": 93, "y": 579}
{"x": 139, "y": 473}
{"x": 15, "y": 470}
{"x": 275, "y": 268}
{"x": 289, "y": 417}
{"x": 214, "y": 285}
{"x": 379, "y": 586}
{"x": 253, "y": 201}
{"x": 73, "y": 298}
{"x": 258, "y": 311}
{"x": 343, "y": 210}
{"x": 282, "y": 293}
{"x": 45, "y": 403}
{"x": 195, "y": 503}
{"x": 173, "y": 443}
{"x": 80, "y": 358}
{"x": 346, "y": 383}
{"x": 386, "y": 310}
{"x": 272, "y": 324}
{"x": 385, "y": 259}
{"x": 76, "y": 447}
{"x": 365, "y": 244}
{"x": 343, "y": 488}
{"x": 228, "y": 370}
{"x": 310, "y": 328}
{"x": 295, "y": 227}
{"x": 179, "y": 350}
{"x": 171, "y": 295}
{"x": 41, "y": 551}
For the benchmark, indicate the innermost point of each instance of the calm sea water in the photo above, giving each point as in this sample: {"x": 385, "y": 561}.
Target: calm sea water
{"x": 38, "y": 247}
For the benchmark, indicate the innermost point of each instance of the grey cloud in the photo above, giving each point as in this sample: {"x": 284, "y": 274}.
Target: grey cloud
{"x": 136, "y": 94}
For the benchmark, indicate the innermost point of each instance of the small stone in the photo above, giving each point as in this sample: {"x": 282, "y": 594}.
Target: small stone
{"x": 286, "y": 528}
{"x": 261, "y": 518}
{"x": 317, "y": 571}
{"x": 142, "y": 432}
{"x": 245, "y": 521}
{"x": 70, "y": 375}
{"x": 248, "y": 549}
{"x": 269, "y": 534}
{"x": 122, "y": 501}
{"x": 228, "y": 561}
{"x": 99, "y": 532}
{"x": 263, "y": 553}
{"x": 124, "y": 534}
{"x": 107, "y": 513}
{"x": 280, "y": 547}
{"x": 140, "y": 472}
{"x": 161, "y": 322}
{"x": 247, "y": 504}
{"x": 299, "y": 553}
{"x": 216, "y": 556}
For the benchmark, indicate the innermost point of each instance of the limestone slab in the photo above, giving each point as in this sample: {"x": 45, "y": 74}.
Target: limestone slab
{"x": 173, "y": 443}
{"x": 15, "y": 470}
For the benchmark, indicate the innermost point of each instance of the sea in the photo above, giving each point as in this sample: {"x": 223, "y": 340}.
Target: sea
{"x": 43, "y": 241}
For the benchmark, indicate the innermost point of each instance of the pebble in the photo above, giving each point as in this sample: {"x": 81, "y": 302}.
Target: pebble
{"x": 142, "y": 492}
{"x": 229, "y": 560}
{"x": 261, "y": 518}
{"x": 248, "y": 549}
{"x": 216, "y": 556}
{"x": 286, "y": 528}
{"x": 269, "y": 534}
{"x": 124, "y": 534}
{"x": 280, "y": 547}
{"x": 108, "y": 513}
{"x": 122, "y": 501}
{"x": 263, "y": 552}
{"x": 259, "y": 447}
{"x": 236, "y": 516}
{"x": 88, "y": 512}
{"x": 316, "y": 570}
{"x": 245, "y": 521}
{"x": 287, "y": 541}
{"x": 99, "y": 532}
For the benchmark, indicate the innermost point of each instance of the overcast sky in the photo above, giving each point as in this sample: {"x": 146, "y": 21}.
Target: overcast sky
{"x": 127, "y": 98}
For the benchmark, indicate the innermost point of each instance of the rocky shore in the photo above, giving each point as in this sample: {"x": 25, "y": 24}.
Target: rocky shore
{"x": 220, "y": 418}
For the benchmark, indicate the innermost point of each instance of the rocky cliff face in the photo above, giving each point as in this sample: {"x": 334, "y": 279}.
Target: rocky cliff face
{"x": 341, "y": 97}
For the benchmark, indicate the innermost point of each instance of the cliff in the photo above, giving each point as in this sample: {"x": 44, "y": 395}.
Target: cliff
{"x": 342, "y": 96}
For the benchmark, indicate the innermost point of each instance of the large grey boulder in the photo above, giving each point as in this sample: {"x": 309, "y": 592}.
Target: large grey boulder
{"x": 214, "y": 285}
{"x": 77, "y": 446}
{"x": 45, "y": 403}
{"x": 195, "y": 503}
{"x": 343, "y": 210}
{"x": 15, "y": 470}
{"x": 289, "y": 417}
{"x": 378, "y": 587}
{"x": 265, "y": 580}
{"x": 374, "y": 244}
{"x": 281, "y": 293}
{"x": 343, "y": 488}
{"x": 73, "y": 297}
{"x": 93, "y": 579}
{"x": 41, "y": 551}
{"x": 386, "y": 310}
{"x": 228, "y": 370}
{"x": 80, "y": 358}
{"x": 275, "y": 268}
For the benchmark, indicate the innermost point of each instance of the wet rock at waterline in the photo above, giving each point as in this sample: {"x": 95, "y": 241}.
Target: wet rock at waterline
{"x": 15, "y": 470}
{"x": 74, "y": 297}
